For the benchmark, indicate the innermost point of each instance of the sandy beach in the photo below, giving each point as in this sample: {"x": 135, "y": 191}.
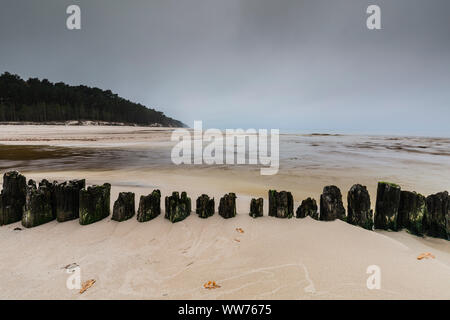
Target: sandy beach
{"x": 272, "y": 259}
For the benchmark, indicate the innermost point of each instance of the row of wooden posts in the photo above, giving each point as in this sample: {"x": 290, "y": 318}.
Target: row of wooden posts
{"x": 394, "y": 209}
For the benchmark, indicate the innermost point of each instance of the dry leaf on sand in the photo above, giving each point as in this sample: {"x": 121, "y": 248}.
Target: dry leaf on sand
{"x": 86, "y": 285}
{"x": 425, "y": 256}
{"x": 211, "y": 285}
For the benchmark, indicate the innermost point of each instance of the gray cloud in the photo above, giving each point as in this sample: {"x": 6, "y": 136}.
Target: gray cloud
{"x": 289, "y": 64}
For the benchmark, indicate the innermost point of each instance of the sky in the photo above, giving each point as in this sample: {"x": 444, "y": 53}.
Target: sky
{"x": 293, "y": 65}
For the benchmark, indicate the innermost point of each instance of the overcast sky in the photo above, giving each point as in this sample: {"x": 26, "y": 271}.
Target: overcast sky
{"x": 295, "y": 65}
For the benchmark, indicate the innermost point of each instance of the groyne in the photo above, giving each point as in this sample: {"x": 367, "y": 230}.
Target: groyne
{"x": 395, "y": 209}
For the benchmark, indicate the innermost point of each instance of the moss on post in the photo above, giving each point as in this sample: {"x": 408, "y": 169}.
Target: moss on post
{"x": 204, "y": 206}
{"x": 149, "y": 206}
{"x": 281, "y": 204}
{"x": 38, "y": 207}
{"x": 411, "y": 212}
{"x": 13, "y": 197}
{"x": 67, "y": 197}
{"x": 331, "y": 206}
{"x": 436, "y": 222}
{"x": 359, "y": 212}
{"x": 387, "y": 205}
{"x": 256, "y": 208}
{"x": 124, "y": 207}
{"x": 94, "y": 203}
{"x": 227, "y": 206}
{"x": 178, "y": 208}
{"x": 308, "y": 207}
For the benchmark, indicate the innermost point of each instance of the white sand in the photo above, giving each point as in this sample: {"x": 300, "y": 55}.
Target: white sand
{"x": 275, "y": 259}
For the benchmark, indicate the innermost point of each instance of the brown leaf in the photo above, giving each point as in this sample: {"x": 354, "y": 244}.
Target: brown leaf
{"x": 86, "y": 285}
{"x": 211, "y": 285}
{"x": 425, "y": 255}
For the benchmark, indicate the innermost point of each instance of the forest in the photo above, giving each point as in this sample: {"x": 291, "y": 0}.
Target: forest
{"x": 35, "y": 100}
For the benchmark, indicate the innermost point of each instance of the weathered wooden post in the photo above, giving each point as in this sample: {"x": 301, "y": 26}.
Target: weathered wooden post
{"x": 205, "y": 206}
{"x": 124, "y": 207}
{"x": 12, "y": 197}
{"x": 94, "y": 203}
{"x": 411, "y": 212}
{"x": 437, "y": 220}
{"x": 51, "y": 187}
{"x": 227, "y": 206}
{"x": 359, "y": 212}
{"x": 386, "y": 207}
{"x": 331, "y": 206}
{"x": 308, "y": 207}
{"x": 38, "y": 206}
{"x": 281, "y": 204}
{"x": 178, "y": 208}
{"x": 256, "y": 207}
{"x": 67, "y": 196}
{"x": 149, "y": 206}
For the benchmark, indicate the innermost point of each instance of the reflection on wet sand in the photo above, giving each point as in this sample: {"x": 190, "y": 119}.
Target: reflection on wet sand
{"x": 42, "y": 157}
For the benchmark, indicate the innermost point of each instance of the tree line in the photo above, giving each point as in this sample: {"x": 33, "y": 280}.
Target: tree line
{"x": 35, "y": 100}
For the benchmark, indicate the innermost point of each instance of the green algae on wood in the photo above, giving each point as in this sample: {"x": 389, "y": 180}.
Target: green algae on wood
{"x": 124, "y": 207}
{"x": 12, "y": 197}
{"x": 331, "y": 206}
{"x": 308, "y": 207}
{"x": 256, "y": 207}
{"x": 386, "y": 206}
{"x": 94, "y": 203}
{"x": 204, "y": 206}
{"x": 67, "y": 197}
{"x": 38, "y": 206}
{"x": 227, "y": 206}
{"x": 412, "y": 211}
{"x": 149, "y": 206}
{"x": 437, "y": 220}
{"x": 358, "y": 204}
{"x": 178, "y": 207}
{"x": 281, "y": 204}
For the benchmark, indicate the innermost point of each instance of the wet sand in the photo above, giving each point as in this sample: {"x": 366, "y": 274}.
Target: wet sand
{"x": 293, "y": 259}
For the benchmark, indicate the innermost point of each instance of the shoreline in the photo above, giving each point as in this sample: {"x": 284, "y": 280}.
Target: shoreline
{"x": 82, "y": 123}
{"x": 305, "y": 133}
